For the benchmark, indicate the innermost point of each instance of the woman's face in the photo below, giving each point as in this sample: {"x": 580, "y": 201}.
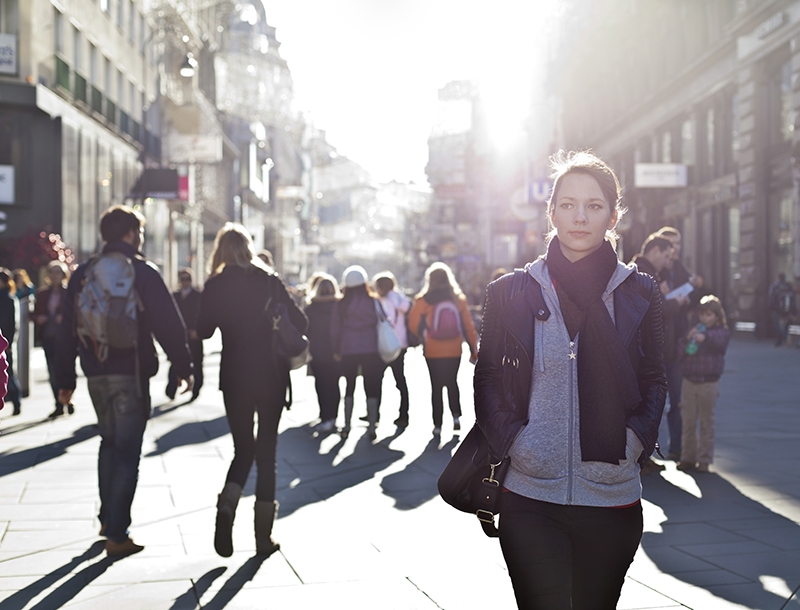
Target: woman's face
{"x": 581, "y": 215}
{"x": 56, "y": 275}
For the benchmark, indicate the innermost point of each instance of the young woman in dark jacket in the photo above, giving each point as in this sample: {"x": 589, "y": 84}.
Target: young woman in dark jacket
{"x": 251, "y": 379}
{"x": 355, "y": 344}
{"x": 570, "y": 386}
{"x": 320, "y": 309}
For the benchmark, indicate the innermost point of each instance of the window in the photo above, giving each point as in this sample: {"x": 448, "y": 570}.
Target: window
{"x": 107, "y": 76}
{"x": 142, "y": 32}
{"x": 9, "y": 17}
{"x": 120, "y": 90}
{"x": 93, "y": 75}
{"x": 666, "y": 147}
{"x": 710, "y": 144}
{"x": 121, "y": 14}
{"x": 687, "y": 142}
{"x": 104, "y": 6}
{"x": 131, "y": 22}
{"x": 781, "y": 110}
{"x": 736, "y": 141}
{"x": 58, "y": 31}
{"x": 77, "y": 47}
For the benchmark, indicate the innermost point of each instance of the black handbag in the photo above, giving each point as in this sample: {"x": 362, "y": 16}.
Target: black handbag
{"x": 473, "y": 480}
{"x": 290, "y": 346}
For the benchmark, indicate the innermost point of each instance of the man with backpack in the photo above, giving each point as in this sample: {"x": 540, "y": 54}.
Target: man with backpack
{"x": 116, "y": 302}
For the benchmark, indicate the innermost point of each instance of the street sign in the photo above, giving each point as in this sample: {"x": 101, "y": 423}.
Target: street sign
{"x": 8, "y": 54}
{"x": 660, "y": 175}
{"x": 6, "y": 184}
{"x": 194, "y": 148}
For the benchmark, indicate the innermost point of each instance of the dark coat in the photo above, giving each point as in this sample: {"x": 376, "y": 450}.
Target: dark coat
{"x": 503, "y": 373}
{"x": 234, "y": 301}
{"x": 158, "y": 318}
{"x": 8, "y": 316}
{"x": 354, "y": 328}
{"x": 41, "y": 308}
{"x": 189, "y": 306}
{"x": 319, "y": 314}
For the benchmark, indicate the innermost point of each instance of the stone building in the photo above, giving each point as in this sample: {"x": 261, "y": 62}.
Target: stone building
{"x": 695, "y": 105}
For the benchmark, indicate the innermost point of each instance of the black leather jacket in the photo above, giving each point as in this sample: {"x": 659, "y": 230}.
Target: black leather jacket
{"x": 503, "y": 373}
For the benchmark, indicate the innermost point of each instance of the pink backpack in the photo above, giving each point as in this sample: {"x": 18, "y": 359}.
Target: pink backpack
{"x": 445, "y": 321}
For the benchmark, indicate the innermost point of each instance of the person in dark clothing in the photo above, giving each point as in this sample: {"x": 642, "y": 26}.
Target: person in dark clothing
{"x": 188, "y": 301}
{"x": 3, "y": 370}
{"x": 355, "y": 344}
{"x": 47, "y": 314}
{"x": 236, "y": 295}
{"x": 8, "y": 326}
{"x": 119, "y": 380}
{"x": 326, "y": 369}
{"x": 782, "y": 307}
{"x": 676, "y": 324}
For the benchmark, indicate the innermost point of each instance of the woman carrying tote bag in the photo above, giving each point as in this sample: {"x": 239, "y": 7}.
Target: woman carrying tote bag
{"x": 574, "y": 399}
{"x": 251, "y": 378}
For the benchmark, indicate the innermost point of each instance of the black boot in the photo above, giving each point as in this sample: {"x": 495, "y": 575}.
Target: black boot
{"x": 266, "y": 512}
{"x": 227, "y": 502}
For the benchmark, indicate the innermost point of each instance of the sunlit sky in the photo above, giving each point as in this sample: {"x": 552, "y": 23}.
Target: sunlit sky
{"x": 368, "y": 71}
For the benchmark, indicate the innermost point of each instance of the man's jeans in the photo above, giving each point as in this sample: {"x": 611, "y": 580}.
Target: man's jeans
{"x": 122, "y": 413}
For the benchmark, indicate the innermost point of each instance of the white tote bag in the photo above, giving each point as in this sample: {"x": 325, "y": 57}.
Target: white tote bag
{"x": 389, "y": 346}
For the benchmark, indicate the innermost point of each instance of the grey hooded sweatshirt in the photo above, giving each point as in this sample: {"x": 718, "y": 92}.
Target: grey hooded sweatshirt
{"x": 546, "y": 455}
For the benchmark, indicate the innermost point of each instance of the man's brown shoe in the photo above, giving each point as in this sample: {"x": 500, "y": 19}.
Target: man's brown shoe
{"x": 121, "y": 549}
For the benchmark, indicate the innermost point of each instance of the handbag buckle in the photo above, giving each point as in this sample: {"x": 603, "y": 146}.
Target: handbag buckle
{"x": 490, "y": 478}
{"x": 485, "y": 516}
{"x": 275, "y": 322}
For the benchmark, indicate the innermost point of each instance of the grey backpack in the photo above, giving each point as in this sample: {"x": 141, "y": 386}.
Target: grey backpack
{"x": 107, "y": 305}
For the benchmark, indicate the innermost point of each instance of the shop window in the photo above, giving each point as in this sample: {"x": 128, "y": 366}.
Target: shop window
{"x": 710, "y": 141}
{"x": 734, "y": 243}
{"x": 781, "y": 113}
{"x": 666, "y": 147}
{"x": 735, "y": 115}
{"x": 688, "y": 142}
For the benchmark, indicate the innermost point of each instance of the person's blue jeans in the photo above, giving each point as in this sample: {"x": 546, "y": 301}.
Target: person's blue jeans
{"x": 122, "y": 412}
{"x": 674, "y": 423}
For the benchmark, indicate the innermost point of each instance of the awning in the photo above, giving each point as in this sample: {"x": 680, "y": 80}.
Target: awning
{"x": 156, "y": 183}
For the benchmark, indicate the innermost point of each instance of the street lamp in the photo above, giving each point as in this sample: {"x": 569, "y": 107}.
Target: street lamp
{"x": 188, "y": 66}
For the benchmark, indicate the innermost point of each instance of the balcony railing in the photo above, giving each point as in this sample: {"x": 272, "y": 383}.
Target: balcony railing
{"x": 111, "y": 112}
{"x": 62, "y": 74}
{"x": 97, "y": 100}
{"x": 80, "y": 88}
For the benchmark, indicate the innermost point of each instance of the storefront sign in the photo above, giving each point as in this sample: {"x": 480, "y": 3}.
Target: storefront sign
{"x": 8, "y": 54}
{"x": 660, "y": 175}
{"x": 6, "y": 184}
{"x": 194, "y": 148}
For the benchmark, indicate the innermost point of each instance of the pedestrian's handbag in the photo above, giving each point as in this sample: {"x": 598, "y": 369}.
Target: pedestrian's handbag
{"x": 473, "y": 481}
{"x": 289, "y": 344}
{"x": 389, "y": 346}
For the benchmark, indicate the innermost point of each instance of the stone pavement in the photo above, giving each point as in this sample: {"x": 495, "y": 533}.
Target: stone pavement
{"x": 361, "y": 525}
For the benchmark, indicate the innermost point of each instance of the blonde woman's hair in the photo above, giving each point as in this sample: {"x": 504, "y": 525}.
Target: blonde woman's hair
{"x": 324, "y": 286}
{"x": 440, "y": 277}
{"x": 233, "y": 246}
{"x": 585, "y": 162}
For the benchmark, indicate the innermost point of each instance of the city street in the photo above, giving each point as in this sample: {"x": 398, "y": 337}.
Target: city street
{"x": 361, "y": 525}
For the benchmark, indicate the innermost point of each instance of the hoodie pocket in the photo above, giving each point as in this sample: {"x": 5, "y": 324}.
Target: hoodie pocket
{"x": 540, "y": 451}
{"x": 609, "y": 474}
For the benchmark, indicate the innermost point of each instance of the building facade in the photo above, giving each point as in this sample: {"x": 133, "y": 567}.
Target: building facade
{"x": 708, "y": 90}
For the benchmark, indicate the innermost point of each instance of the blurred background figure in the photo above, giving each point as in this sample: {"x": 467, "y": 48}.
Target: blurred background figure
{"x": 22, "y": 281}
{"x": 266, "y": 258}
{"x": 47, "y": 314}
{"x": 324, "y": 293}
{"x": 8, "y": 326}
{"x": 252, "y": 379}
{"x": 396, "y": 306}
{"x": 782, "y": 306}
{"x": 3, "y": 371}
{"x": 355, "y": 344}
{"x": 441, "y": 317}
{"x": 188, "y": 301}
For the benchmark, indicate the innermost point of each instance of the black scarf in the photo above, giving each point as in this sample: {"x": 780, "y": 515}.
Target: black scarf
{"x": 607, "y": 384}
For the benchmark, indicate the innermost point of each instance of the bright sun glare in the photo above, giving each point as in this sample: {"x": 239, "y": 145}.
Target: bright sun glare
{"x": 369, "y": 72}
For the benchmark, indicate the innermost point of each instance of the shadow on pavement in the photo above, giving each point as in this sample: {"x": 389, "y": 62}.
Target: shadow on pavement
{"x": 14, "y": 462}
{"x": 66, "y": 591}
{"x": 9, "y": 430}
{"x": 234, "y": 584}
{"x": 191, "y": 599}
{"x": 312, "y": 477}
{"x": 416, "y": 483}
{"x": 711, "y": 533}
{"x": 193, "y": 433}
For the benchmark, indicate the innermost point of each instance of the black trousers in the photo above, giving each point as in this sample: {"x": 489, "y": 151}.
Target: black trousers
{"x": 567, "y": 557}
{"x": 240, "y": 406}
{"x": 444, "y": 374}
{"x": 371, "y": 370}
{"x": 196, "y": 347}
{"x": 326, "y": 383}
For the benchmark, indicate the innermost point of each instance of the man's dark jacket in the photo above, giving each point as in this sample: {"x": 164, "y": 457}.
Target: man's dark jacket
{"x": 189, "y": 306}
{"x": 158, "y": 317}
{"x": 505, "y": 362}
